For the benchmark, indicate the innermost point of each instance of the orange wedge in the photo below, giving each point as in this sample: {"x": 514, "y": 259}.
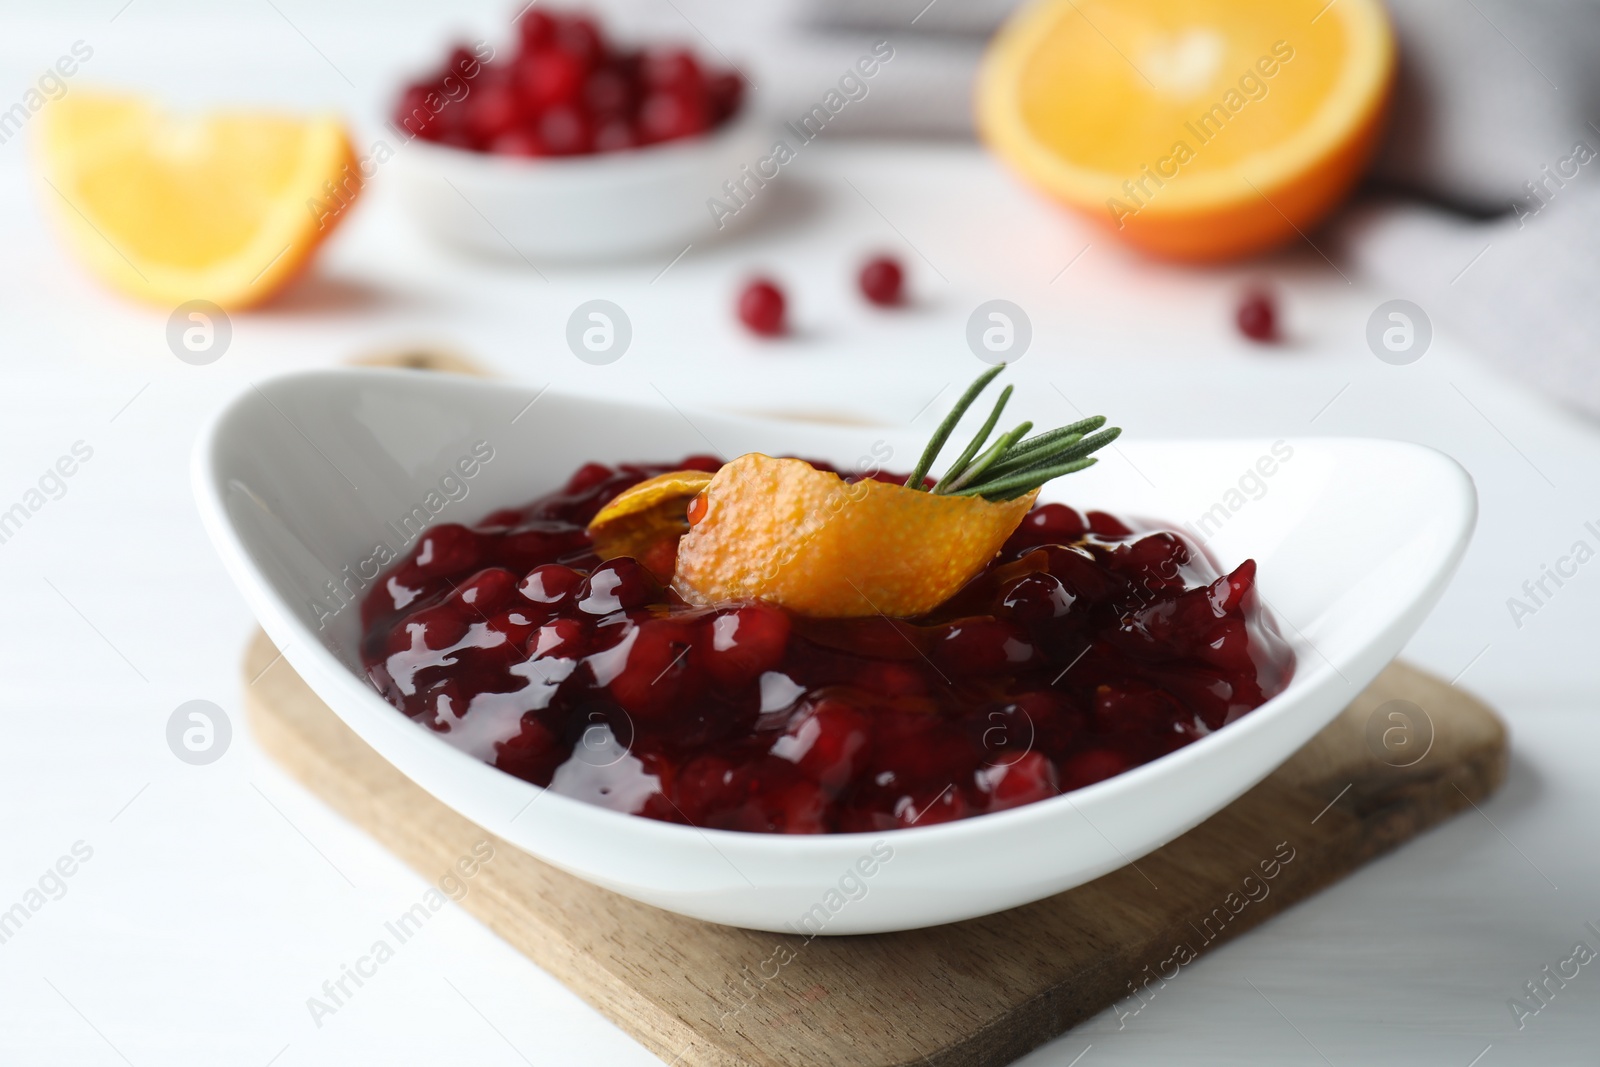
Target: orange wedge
{"x": 1195, "y": 129}
{"x": 782, "y": 531}
{"x": 224, "y": 207}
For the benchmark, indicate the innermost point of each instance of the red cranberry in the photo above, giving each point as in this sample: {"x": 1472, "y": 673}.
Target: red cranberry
{"x": 761, "y": 307}
{"x": 706, "y": 784}
{"x": 1036, "y": 598}
{"x": 608, "y": 93}
{"x": 661, "y": 559}
{"x": 435, "y": 628}
{"x": 549, "y": 77}
{"x": 487, "y": 591}
{"x": 564, "y": 131}
{"x": 588, "y": 477}
{"x": 702, "y": 462}
{"x": 890, "y": 679}
{"x": 1085, "y": 577}
{"x": 667, "y": 115}
{"x": 1091, "y": 766}
{"x": 881, "y": 280}
{"x": 724, "y": 92}
{"x": 1107, "y": 525}
{"x": 536, "y": 28}
{"x": 550, "y": 585}
{"x": 1132, "y": 708}
{"x": 798, "y": 808}
{"x": 557, "y": 639}
{"x": 515, "y": 623}
{"x": 668, "y": 68}
{"x": 828, "y": 741}
{"x": 620, "y": 584}
{"x": 533, "y": 754}
{"x": 1029, "y": 778}
{"x": 926, "y": 807}
{"x": 579, "y": 37}
{"x": 492, "y": 111}
{"x": 1050, "y": 722}
{"x": 657, "y": 672}
{"x": 984, "y": 646}
{"x": 1228, "y": 593}
{"x": 446, "y": 549}
{"x": 1258, "y": 316}
{"x": 1048, "y": 524}
{"x": 743, "y": 644}
{"x": 524, "y": 548}
{"x": 414, "y": 114}
{"x": 463, "y": 63}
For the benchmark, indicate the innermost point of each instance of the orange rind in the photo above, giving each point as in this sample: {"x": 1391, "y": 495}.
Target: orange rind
{"x": 643, "y": 516}
{"x": 782, "y": 531}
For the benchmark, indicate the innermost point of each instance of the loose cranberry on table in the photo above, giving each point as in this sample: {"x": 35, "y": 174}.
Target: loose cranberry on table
{"x": 562, "y": 89}
{"x": 1088, "y": 646}
{"x": 1257, "y": 316}
{"x": 881, "y": 280}
{"x": 761, "y": 307}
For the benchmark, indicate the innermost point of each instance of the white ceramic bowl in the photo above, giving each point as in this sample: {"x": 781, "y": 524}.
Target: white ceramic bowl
{"x": 601, "y": 207}
{"x": 1356, "y": 540}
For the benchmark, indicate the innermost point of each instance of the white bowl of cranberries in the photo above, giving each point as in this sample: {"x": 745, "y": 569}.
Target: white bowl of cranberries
{"x": 566, "y": 146}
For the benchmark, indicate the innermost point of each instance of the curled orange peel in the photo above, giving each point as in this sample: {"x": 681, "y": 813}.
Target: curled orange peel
{"x": 782, "y": 531}
{"x": 643, "y": 516}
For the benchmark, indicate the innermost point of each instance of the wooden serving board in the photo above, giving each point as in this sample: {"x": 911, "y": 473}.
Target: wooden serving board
{"x": 983, "y": 991}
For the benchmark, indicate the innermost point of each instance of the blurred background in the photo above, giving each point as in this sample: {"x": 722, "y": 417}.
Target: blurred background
{"x": 1414, "y": 259}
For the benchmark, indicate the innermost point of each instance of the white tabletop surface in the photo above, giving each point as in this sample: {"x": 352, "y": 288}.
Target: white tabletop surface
{"x": 219, "y": 898}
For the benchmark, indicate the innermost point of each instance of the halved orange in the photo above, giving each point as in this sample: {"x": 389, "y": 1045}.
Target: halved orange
{"x": 224, "y": 207}
{"x": 1196, "y": 129}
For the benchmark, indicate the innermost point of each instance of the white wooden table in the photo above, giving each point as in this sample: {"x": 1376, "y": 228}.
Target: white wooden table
{"x": 217, "y": 899}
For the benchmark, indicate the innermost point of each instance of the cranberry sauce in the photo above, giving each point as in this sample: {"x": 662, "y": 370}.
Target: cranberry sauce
{"x": 1084, "y": 649}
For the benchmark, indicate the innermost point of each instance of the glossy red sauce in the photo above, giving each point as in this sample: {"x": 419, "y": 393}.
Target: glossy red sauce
{"x": 1087, "y": 647}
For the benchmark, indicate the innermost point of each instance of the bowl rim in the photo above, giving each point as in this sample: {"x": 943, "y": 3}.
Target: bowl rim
{"x": 314, "y": 661}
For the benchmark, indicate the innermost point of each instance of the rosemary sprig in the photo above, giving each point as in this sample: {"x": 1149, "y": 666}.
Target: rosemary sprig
{"x": 1014, "y": 464}
{"x": 980, "y": 465}
{"x": 960, "y": 465}
{"x": 942, "y": 434}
